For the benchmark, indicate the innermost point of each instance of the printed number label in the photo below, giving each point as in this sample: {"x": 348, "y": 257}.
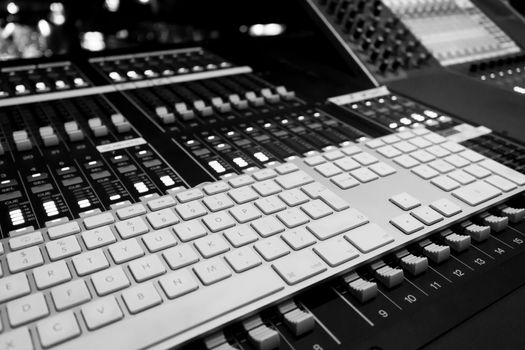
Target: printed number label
{"x": 410, "y": 299}
{"x": 383, "y": 313}
{"x": 458, "y": 273}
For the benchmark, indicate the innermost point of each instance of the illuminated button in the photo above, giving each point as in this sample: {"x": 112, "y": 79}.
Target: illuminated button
{"x": 141, "y": 187}
{"x": 167, "y": 181}
{"x": 84, "y": 203}
{"x": 215, "y": 165}
{"x": 79, "y": 82}
{"x": 50, "y": 208}
{"x": 60, "y": 84}
{"x": 20, "y": 89}
{"x": 41, "y": 86}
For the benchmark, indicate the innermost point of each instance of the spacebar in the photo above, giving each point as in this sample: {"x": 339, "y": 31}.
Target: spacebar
{"x": 183, "y": 314}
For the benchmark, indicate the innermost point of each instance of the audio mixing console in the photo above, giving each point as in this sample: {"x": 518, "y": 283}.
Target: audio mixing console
{"x": 79, "y": 144}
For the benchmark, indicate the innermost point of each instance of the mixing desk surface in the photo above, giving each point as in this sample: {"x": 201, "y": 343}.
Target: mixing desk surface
{"x": 185, "y": 198}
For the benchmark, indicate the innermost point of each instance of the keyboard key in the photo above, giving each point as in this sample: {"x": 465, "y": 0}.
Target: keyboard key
{"x": 365, "y": 158}
{"x": 212, "y": 271}
{"x": 299, "y": 267}
{"x": 369, "y": 237}
{"x": 437, "y": 151}
{"x": 422, "y": 156}
{"x": 405, "y": 201}
{"x": 27, "y": 309}
{"x": 218, "y": 202}
{"x": 270, "y": 205}
{"x": 441, "y": 166}
{"x": 461, "y": 177}
{"x": 295, "y": 179}
{"x": 146, "y": 268}
{"x": 264, "y": 174}
{"x": 503, "y": 171}
{"x": 406, "y": 161}
{"x": 420, "y": 142}
{"x": 271, "y": 248}
{"x": 333, "y": 200}
{"x": 425, "y": 172}
{"x": 315, "y": 160}
{"x": 457, "y": 161}
{"x": 242, "y": 259}
{"x": 101, "y": 312}
{"x": 140, "y": 298}
{"x": 407, "y": 223}
{"x": 389, "y": 151}
{"x": 125, "y": 250}
{"x": 240, "y": 181}
{"x": 63, "y": 230}
{"x": 216, "y": 187}
{"x": 347, "y": 164}
{"x": 477, "y": 171}
{"x": 180, "y": 256}
{"x": 99, "y": 220}
{"x": 190, "y": 230}
{"x": 286, "y": 168}
{"x": 333, "y": 155}
{"x": 243, "y": 195}
{"x": 131, "y": 228}
{"x": 390, "y": 139}
{"x": 90, "y": 262}
{"x": 245, "y": 212}
{"x": 445, "y": 207}
{"x": 163, "y": 218}
{"x": 364, "y": 175}
{"x": 70, "y": 294}
{"x": 98, "y": 237}
{"x": 298, "y": 238}
{"x": 24, "y": 259}
{"x": 161, "y": 203}
{"x": 351, "y": 150}
{"x": 316, "y": 209}
{"x": 501, "y": 183}
{"x": 426, "y": 215}
{"x": 452, "y": 147}
{"x": 109, "y": 281}
{"x": 178, "y": 283}
{"x": 240, "y": 235}
{"x": 293, "y": 197}
{"x": 445, "y": 183}
{"x": 51, "y": 274}
{"x": 336, "y": 251}
{"x": 211, "y": 245}
{"x": 344, "y": 181}
{"x": 476, "y": 193}
{"x": 405, "y": 147}
{"x": 337, "y": 223}
{"x": 382, "y": 169}
{"x": 58, "y": 329}
{"x": 472, "y": 156}
{"x": 26, "y": 240}
{"x": 267, "y": 226}
{"x": 218, "y": 221}
{"x": 435, "y": 138}
{"x": 328, "y": 169}
{"x": 189, "y": 195}
{"x": 292, "y": 217}
{"x": 63, "y": 248}
{"x": 266, "y": 188}
{"x": 17, "y": 339}
{"x": 159, "y": 240}
{"x": 191, "y": 210}
{"x": 313, "y": 190}
{"x": 131, "y": 211}
{"x": 374, "y": 143}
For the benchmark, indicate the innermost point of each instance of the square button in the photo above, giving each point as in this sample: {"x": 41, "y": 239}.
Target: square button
{"x": 405, "y": 201}
{"x": 407, "y": 223}
{"x": 427, "y": 215}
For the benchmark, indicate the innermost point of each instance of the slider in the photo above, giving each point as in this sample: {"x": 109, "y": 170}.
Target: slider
{"x": 121, "y": 124}
{"x": 455, "y": 241}
{"x": 218, "y": 341}
{"x": 49, "y": 138}
{"x": 201, "y": 107}
{"x": 96, "y": 126}
{"x": 72, "y": 130}
{"x": 297, "y": 320}
{"x": 435, "y": 252}
{"x": 477, "y": 232}
{"x": 270, "y": 96}
{"x": 262, "y": 336}
{"x": 237, "y": 102}
{"x": 360, "y": 288}
{"x": 183, "y": 111}
{"x": 222, "y": 106}
{"x": 387, "y": 275}
{"x": 515, "y": 215}
{"x": 496, "y": 223}
{"x": 284, "y": 93}
{"x": 254, "y": 99}
{"x": 22, "y": 141}
{"x": 415, "y": 265}
{"x": 164, "y": 115}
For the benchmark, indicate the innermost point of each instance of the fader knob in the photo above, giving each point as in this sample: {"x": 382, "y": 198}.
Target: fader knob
{"x": 515, "y": 215}
{"x": 299, "y": 321}
{"x": 496, "y": 223}
{"x": 121, "y": 124}
{"x": 254, "y": 99}
{"x": 455, "y": 241}
{"x": 238, "y": 102}
{"x": 415, "y": 265}
{"x": 182, "y": 109}
{"x": 477, "y": 232}
{"x": 437, "y": 253}
{"x": 96, "y": 126}
{"x": 72, "y": 130}
{"x": 22, "y": 141}
{"x": 221, "y": 106}
{"x": 360, "y": 288}
{"x": 262, "y": 336}
{"x": 389, "y": 276}
{"x": 49, "y": 138}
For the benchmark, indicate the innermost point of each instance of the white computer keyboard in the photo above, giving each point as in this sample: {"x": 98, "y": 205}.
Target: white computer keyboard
{"x": 161, "y": 272}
